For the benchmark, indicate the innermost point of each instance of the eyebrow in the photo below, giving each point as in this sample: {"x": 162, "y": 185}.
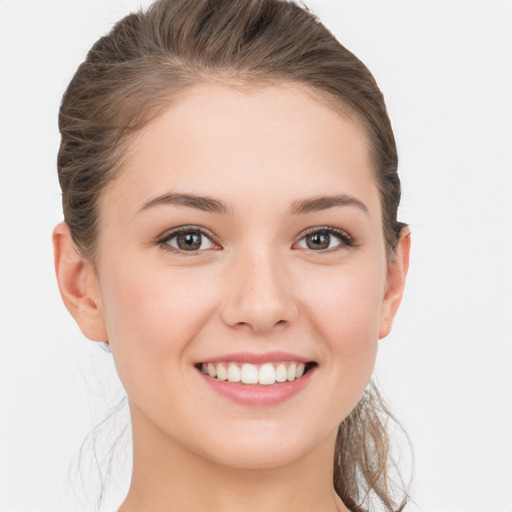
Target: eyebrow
{"x": 207, "y": 204}
{"x": 315, "y": 204}
{"x": 298, "y": 207}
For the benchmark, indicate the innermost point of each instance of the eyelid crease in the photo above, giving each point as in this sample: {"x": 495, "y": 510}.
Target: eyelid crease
{"x": 340, "y": 232}
{"x": 163, "y": 239}
{"x": 166, "y": 235}
{"x": 346, "y": 238}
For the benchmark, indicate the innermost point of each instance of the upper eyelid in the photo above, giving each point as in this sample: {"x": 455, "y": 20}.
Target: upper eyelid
{"x": 330, "y": 229}
{"x": 171, "y": 233}
{"x": 346, "y": 238}
{"x": 205, "y": 231}
{"x": 168, "y": 235}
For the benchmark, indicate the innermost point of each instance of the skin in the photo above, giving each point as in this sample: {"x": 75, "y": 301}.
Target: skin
{"x": 258, "y": 287}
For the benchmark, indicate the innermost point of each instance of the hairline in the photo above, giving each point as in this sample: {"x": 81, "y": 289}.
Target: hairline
{"x": 245, "y": 82}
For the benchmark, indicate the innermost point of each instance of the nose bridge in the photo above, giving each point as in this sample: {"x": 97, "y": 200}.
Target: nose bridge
{"x": 259, "y": 293}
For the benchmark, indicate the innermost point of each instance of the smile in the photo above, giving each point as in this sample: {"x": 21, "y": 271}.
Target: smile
{"x": 257, "y": 379}
{"x": 265, "y": 374}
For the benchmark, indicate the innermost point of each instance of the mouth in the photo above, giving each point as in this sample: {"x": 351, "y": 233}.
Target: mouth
{"x": 265, "y": 374}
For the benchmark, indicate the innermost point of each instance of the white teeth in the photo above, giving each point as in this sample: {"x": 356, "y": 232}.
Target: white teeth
{"x": 281, "y": 373}
{"x": 234, "y": 374}
{"x": 290, "y": 374}
{"x": 249, "y": 374}
{"x": 267, "y": 374}
{"x": 222, "y": 373}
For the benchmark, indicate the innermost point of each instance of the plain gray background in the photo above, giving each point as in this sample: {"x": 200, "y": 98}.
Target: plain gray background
{"x": 445, "y": 70}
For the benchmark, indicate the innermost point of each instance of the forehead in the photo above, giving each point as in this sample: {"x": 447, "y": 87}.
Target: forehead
{"x": 232, "y": 142}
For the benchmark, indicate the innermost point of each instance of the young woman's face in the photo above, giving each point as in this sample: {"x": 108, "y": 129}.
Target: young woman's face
{"x": 244, "y": 231}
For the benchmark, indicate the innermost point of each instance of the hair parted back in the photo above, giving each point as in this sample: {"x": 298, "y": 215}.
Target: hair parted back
{"x": 134, "y": 72}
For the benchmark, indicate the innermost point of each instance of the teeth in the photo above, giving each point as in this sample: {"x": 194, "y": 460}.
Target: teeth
{"x": 290, "y": 374}
{"x": 265, "y": 374}
{"x": 249, "y": 374}
{"x": 281, "y": 373}
{"x": 234, "y": 373}
{"x": 222, "y": 373}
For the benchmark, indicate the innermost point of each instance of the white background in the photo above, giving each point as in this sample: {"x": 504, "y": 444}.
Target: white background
{"x": 445, "y": 69}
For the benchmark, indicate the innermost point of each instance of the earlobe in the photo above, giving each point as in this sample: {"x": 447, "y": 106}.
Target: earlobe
{"x": 78, "y": 285}
{"x": 397, "y": 273}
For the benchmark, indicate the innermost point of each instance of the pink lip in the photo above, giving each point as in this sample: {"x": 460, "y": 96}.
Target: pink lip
{"x": 255, "y": 358}
{"x": 248, "y": 394}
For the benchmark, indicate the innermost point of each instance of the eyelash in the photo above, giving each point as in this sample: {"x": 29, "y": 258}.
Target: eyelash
{"x": 164, "y": 240}
{"x": 344, "y": 237}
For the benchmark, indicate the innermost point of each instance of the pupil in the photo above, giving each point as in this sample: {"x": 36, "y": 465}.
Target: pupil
{"x": 318, "y": 240}
{"x": 189, "y": 241}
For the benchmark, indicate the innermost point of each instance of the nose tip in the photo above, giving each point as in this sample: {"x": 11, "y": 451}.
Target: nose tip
{"x": 260, "y": 323}
{"x": 259, "y": 297}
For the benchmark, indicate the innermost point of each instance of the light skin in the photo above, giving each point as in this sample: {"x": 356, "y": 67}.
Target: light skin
{"x": 261, "y": 282}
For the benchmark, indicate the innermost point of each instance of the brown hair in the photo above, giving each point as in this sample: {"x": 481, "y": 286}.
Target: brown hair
{"x": 133, "y": 73}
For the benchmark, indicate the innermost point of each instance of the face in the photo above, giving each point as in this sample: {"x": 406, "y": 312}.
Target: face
{"x": 244, "y": 238}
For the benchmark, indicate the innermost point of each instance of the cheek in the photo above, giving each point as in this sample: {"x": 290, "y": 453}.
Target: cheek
{"x": 152, "y": 316}
{"x": 344, "y": 310}
{"x": 345, "y": 305}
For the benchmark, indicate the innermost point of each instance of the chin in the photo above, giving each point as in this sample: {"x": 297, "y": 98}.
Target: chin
{"x": 263, "y": 448}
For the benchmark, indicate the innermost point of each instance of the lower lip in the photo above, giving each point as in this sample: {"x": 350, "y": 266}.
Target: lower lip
{"x": 258, "y": 395}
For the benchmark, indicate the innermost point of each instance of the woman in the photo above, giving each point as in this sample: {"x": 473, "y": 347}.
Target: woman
{"x": 230, "y": 193}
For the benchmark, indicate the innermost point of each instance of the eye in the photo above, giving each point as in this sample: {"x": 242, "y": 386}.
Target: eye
{"x": 323, "y": 239}
{"x": 187, "y": 239}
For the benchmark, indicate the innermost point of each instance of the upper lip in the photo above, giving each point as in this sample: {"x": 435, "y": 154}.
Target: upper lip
{"x": 257, "y": 358}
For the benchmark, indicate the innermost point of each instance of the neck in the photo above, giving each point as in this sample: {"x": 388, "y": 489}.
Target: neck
{"x": 167, "y": 477}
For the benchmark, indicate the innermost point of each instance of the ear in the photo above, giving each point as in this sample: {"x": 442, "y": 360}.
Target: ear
{"x": 397, "y": 272}
{"x": 78, "y": 285}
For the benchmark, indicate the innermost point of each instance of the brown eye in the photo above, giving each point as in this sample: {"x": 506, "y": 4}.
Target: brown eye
{"x": 189, "y": 241}
{"x": 324, "y": 239}
{"x": 319, "y": 240}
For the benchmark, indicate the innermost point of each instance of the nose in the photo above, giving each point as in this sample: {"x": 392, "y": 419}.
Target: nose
{"x": 259, "y": 293}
